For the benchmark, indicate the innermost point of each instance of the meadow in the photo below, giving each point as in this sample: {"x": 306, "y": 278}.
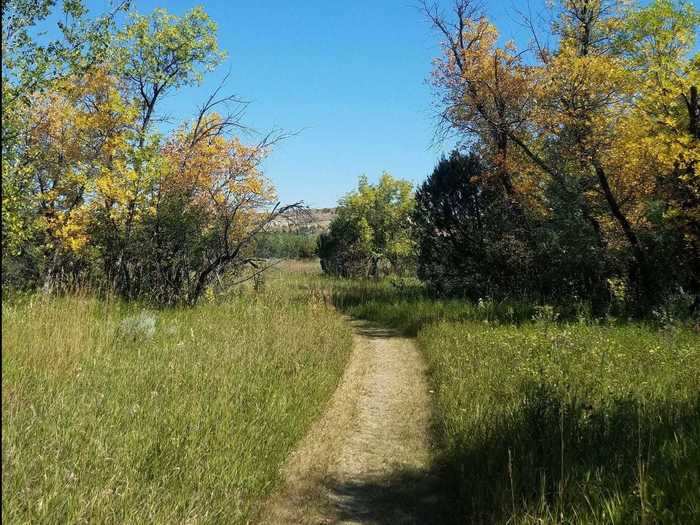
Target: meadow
{"x": 115, "y": 413}
{"x": 548, "y": 416}
{"x": 171, "y": 393}
{"x": 569, "y": 423}
{"x": 405, "y": 305}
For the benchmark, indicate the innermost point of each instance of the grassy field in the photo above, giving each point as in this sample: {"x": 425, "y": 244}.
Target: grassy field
{"x": 114, "y": 414}
{"x": 568, "y": 424}
{"x": 404, "y": 305}
{"x": 544, "y": 421}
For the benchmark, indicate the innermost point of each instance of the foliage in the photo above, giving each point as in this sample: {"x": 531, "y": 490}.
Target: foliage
{"x": 198, "y": 215}
{"x": 597, "y": 135}
{"x": 370, "y": 230}
{"x": 96, "y": 193}
{"x": 30, "y": 66}
{"x": 136, "y": 415}
{"x": 286, "y": 245}
{"x": 470, "y": 243}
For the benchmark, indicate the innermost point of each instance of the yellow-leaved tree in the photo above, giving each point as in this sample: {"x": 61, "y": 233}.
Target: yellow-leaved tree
{"x": 76, "y": 131}
{"x": 108, "y": 197}
{"x": 598, "y": 134}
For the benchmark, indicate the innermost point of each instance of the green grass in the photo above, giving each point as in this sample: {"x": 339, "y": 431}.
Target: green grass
{"x": 286, "y": 245}
{"x": 404, "y": 304}
{"x": 551, "y": 422}
{"x": 112, "y": 414}
{"x": 568, "y": 424}
{"x": 116, "y": 414}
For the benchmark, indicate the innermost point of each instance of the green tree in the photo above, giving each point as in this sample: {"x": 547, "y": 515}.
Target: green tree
{"x": 161, "y": 52}
{"x": 154, "y": 55}
{"x": 371, "y": 230}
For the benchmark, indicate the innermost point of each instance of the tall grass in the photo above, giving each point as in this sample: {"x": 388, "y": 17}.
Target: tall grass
{"x": 115, "y": 414}
{"x": 405, "y": 305}
{"x": 568, "y": 424}
{"x": 544, "y": 416}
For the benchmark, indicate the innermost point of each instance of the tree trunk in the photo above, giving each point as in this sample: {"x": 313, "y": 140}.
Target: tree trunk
{"x": 694, "y": 112}
{"x": 638, "y": 267}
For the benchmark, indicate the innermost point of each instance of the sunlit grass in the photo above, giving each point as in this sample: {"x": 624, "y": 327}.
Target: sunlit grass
{"x": 112, "y": 413}
{"x": 115, "y": 413}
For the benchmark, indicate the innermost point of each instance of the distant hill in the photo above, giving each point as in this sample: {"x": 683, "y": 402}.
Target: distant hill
{"x": 309, "y": 220}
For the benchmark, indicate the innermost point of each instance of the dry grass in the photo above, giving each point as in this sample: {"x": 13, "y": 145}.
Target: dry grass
{"x": 115, "y": 414}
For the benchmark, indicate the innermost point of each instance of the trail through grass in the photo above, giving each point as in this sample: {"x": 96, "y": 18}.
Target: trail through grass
{"x": 544, "y": 421}
{"x": 115, "y": 414}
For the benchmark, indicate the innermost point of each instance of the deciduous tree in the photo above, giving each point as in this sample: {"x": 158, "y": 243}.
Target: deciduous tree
{"x": 371, "y": 229}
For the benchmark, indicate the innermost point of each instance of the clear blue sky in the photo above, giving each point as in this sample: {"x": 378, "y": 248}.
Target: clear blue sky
{"x": 350, "y": 75}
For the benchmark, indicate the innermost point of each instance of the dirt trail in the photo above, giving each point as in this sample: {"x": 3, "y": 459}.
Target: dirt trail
{"x": 367, "y": 460}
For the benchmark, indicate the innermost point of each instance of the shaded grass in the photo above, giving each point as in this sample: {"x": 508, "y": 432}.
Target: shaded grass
{"x": 405, "y": 305}
{"x": 115, "y": 414}
{"x": 568, "y": 424}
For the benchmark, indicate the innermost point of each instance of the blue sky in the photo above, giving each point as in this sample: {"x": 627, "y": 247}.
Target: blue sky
{"x": 350, "y": 75}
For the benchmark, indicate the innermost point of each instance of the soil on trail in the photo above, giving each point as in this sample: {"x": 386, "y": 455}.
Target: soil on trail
{"x": 368, "y": 459}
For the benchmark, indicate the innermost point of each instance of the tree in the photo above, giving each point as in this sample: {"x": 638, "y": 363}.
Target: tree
{"x": 483, "y": 89}
{"x": 161, "y": 52}
{"x": 30, "y": 66}
{"x": 295, "y": 244}
{"x": 154, "y": 55}
{"x": 371, "y": 229}
{"x": 470, "y": 245}
{"x": 101, "y": 195}
{"x": 217, "y": 183}
{"x": 456, "y": 220}
{"x": 187, "y": 208}
{"x": 607, "y": 118}
{"x": 664, "y": 127}
{"x": 78, "y": 134}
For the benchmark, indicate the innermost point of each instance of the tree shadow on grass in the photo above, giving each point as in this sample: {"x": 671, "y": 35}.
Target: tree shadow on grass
{"x": 401, "y": 498}
{"x": 512, "y": 474}
{"x": 515, "y": 468}
{"x": 372, "y": 330}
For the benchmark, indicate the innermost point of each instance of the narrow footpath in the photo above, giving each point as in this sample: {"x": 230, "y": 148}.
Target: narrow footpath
{"x": 368, "y": 459}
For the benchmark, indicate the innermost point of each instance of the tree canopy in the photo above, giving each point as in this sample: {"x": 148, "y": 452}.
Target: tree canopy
{"x": 607, "y": 116}
{"x": 93, "y": 190}
{"x": 371, "y": 230}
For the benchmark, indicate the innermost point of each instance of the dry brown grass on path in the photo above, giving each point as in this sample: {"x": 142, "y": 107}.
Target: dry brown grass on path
{"x": 368, "y": 459}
